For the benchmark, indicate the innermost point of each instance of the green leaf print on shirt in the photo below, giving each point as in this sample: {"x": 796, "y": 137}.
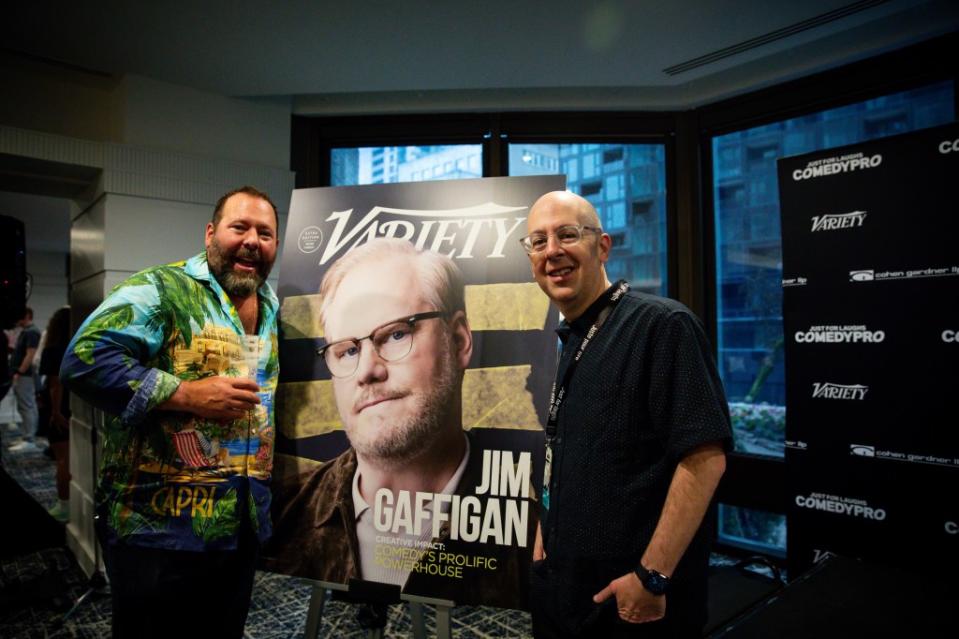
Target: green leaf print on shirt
{"x": 221, "y": 520}
{"x": 116, "y": 318}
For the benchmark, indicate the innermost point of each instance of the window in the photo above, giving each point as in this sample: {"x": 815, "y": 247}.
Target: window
{"x": 380, "y": 165}
{"x": 627, "y": 185}
{"x": 755, "y": 530}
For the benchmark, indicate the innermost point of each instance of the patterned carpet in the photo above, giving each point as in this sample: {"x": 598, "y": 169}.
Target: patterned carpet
{"x": 38, "y": 587}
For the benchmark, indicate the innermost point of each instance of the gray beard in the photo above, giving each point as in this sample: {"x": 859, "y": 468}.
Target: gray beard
{"x": 235, "y": 284}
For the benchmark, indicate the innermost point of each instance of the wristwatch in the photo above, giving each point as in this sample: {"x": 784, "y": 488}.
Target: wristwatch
{"x": 654, "y": 581}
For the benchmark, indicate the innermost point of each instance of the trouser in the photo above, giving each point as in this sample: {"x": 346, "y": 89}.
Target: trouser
{"x": 182, "y": 594}
{"x": 26, "y": 393}
{"x": 561, "y": 607}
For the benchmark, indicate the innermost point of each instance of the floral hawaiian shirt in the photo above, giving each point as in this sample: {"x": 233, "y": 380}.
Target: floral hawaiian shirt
{"x": 169, "y": 479}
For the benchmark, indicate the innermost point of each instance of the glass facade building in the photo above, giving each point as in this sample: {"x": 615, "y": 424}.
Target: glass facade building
{"x": 627, "y": 185}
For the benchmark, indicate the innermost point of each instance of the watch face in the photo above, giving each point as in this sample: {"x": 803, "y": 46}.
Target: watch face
{"x": 656, "y": 583}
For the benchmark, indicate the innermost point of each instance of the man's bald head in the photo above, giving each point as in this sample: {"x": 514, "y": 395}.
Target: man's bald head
{"x": 560, "y": 200}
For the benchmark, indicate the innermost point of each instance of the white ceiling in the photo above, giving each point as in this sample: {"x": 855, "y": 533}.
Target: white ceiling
{"x": 322, "y": 55}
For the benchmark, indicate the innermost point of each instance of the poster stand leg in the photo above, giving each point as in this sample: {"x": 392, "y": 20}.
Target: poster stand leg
{"x": 416, "y": 620}
{"x": 444, "y": 627}
{"x": 443, "y": 620}
{"x": 314, "y": 614}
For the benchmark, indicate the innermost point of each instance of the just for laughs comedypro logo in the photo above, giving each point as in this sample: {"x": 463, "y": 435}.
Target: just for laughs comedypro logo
{"x": 839, "y": 335}
{"x": 836, "y": 165}
{"x": 848, "y": 506}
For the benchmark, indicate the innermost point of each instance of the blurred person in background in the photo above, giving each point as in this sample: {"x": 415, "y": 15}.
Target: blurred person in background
{"x": 24, "y": 385}
{"x": 54, "y": 406}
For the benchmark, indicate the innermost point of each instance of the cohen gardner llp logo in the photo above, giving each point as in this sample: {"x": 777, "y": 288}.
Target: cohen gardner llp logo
{"x": 866, "y": 450}
{"x": 457, "y": 233}
{"x": 862, "y": 450}
{"x": 869, "y": 275}
{"x": 834, "y": 221}
{"x": 828, "y": 390}
{"x": 847, "y": 506}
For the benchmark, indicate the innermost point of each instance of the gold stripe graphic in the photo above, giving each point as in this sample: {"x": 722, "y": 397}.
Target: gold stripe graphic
{"x": 498, "y": 398}
{"x": 489, "y": 307}
{"x": 506, "y": 307}
{"x": 300, "y": 316}
{"x": 305, "y": 409}
{"x": 492, "y": 398}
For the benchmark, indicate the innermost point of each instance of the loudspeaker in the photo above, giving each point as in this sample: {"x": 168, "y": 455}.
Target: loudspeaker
{"x": 13, "y": 271}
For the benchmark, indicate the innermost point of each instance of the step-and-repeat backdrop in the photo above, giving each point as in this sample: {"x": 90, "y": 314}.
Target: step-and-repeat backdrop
{"x": 871, "y": 317}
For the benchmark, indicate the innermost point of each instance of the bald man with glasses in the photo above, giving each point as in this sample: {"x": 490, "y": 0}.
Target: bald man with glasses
{"x": 398, "y": 344}
{"x": 636, "y": 435}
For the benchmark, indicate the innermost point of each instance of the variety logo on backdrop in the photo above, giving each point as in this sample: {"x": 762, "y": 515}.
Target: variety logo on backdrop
{"x": 834, "y": 221}
{"x": 847, "y": 506}
{"x": 868, "y": 275}
{"x": 864, "y": 450}
{"x": 836, "y": 165}
{"x": 839, "y": 335}
{"x": 828, "y": 390}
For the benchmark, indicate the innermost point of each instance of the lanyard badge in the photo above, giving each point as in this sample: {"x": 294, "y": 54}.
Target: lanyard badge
{"x": 556, "y": 397}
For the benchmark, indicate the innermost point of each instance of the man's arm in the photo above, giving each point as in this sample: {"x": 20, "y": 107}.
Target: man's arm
{"x": 110, "y": 362}
{"x": 24, "y": 368}
{"x": 690, "y": 492}
{"x": 57, "y": 418}
{"x": 214, "y": 397}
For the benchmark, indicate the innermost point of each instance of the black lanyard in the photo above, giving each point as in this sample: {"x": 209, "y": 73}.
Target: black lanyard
{"x": 556, "y": 397}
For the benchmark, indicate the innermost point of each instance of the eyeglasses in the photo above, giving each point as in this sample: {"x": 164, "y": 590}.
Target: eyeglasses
{"x": 567, "y": 236}
{"x": 392, "y": 341}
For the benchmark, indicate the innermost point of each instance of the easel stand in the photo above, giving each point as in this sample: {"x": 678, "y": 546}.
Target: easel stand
{"x": 314, "y": 615}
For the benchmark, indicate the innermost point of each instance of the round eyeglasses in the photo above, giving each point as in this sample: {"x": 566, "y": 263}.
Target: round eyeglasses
{"x": 566, "y": 235}
{"x": 392, "y": 341}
